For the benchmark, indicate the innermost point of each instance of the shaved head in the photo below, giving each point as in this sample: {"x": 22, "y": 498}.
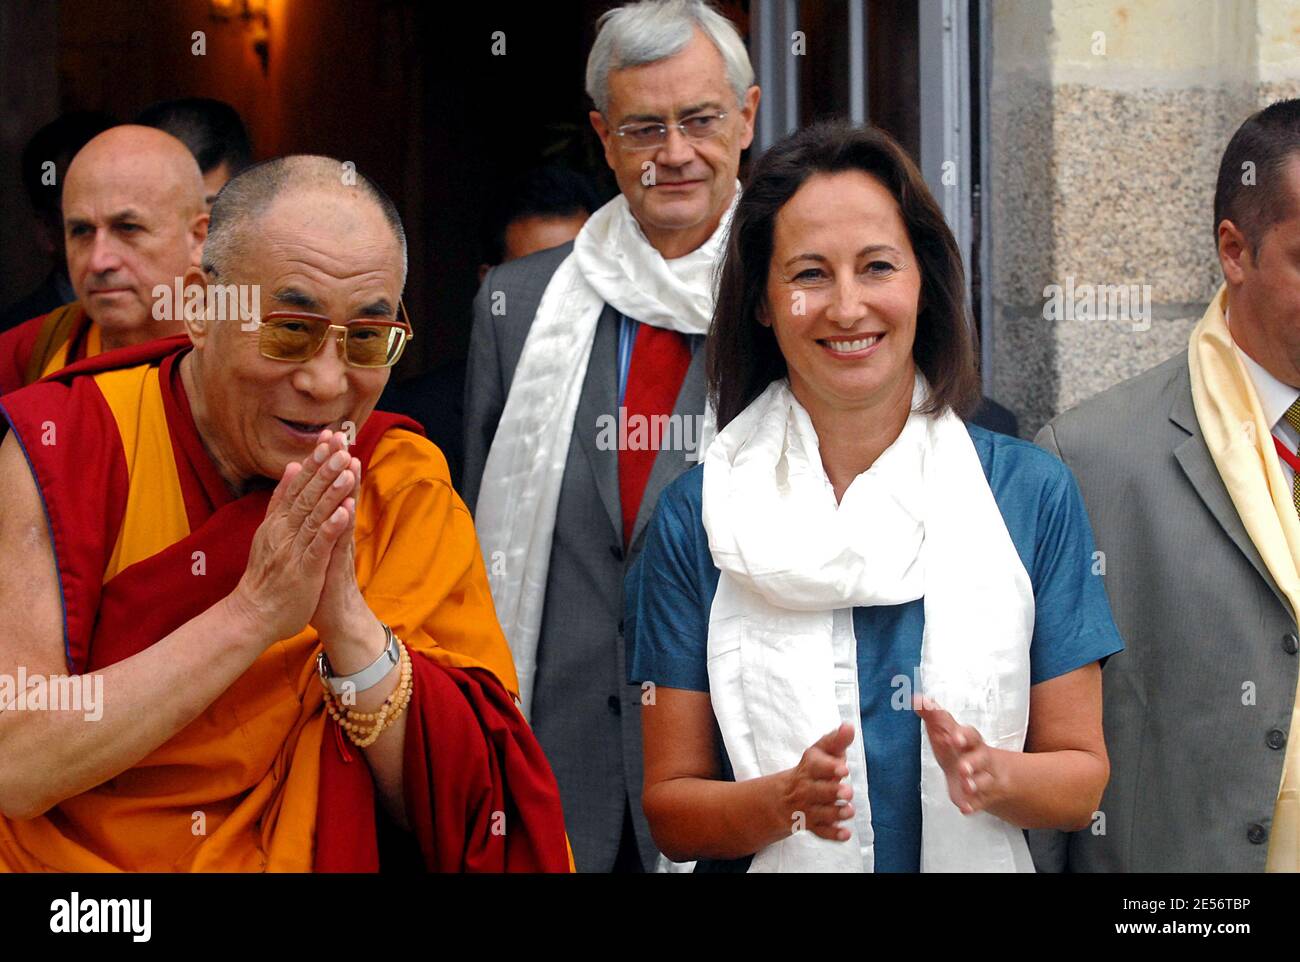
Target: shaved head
{"x": 134, "y": 218}
{"x": 246, "y": 199}
{"x": 131, "y": 159}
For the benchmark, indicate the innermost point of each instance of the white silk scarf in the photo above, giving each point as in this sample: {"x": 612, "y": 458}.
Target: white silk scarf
{"x": 612, "y": 263}
{"x": 782, "y": 661}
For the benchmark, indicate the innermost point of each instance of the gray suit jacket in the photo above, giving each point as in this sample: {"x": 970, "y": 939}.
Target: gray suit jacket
{"x": 585, "y": 714}
{"x": 1198, "y": 706}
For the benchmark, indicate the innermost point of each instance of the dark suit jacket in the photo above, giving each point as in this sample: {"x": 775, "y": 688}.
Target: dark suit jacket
{"x": 1198, "y": 706}
{"x": 435, "y": 399}
{"x": 990, "y": 415}
{"x": 585, "y": 714}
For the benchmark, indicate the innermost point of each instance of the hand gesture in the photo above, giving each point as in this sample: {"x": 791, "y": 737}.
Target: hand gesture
{"x": 310, "y": 510}
{"x": 815, "y": 788}
{"x": 341, "y": 613}
{"x": 970, "y": 765}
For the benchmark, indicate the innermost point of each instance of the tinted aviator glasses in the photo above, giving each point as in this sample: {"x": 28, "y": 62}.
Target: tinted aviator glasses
{"x": 364, "y": 342}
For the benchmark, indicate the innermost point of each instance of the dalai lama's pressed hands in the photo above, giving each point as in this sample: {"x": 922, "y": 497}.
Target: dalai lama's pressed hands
{"x": 302, "y": 570}
{"x": 350, "y": 633}
{"x": 310, "y": 511}
{"x": 295, "y": 575}
{"x": 302, "y": 567}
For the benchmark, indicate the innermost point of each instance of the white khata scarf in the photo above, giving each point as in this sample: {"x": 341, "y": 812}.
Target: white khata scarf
{"x": 921, "y": 522}
{"x": 612, "y": 263}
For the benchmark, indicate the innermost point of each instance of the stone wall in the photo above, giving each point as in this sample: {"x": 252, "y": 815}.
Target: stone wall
{"x": 1108, "y": 120}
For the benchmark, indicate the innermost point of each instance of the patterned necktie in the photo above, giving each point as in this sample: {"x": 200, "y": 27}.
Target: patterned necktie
{"x": 1292, "y": 418}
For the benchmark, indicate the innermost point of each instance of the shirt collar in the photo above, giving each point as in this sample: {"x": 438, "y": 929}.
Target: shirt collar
{"x": 1274, "y": 396}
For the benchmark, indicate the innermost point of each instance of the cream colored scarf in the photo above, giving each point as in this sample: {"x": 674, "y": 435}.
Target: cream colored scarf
{"x": 1241, "y": 444}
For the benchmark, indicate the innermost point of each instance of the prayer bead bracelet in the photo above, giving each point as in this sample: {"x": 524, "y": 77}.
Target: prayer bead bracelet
{"x": 364, "y": 728}
{"x": 354, "y": 723}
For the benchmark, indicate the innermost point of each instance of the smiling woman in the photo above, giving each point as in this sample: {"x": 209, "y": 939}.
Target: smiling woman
{"x": 848, "y": 529}
{"x": 909, "y": 245}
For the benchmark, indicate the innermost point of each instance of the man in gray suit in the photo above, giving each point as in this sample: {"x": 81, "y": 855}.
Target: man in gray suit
{"x": 1187, "y": 475}
{"x": 584, "y": 393}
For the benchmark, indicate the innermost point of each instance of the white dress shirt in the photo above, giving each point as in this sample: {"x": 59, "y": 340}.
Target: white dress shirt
{"x": 1274, "y": 398}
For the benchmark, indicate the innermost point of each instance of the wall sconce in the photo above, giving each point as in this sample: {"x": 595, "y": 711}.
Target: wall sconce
{"x": 254, "y": 13}
{"x": 244, "y": 9}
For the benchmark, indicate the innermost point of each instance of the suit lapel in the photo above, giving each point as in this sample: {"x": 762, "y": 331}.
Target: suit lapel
{"x": 669, "y": 463}
{"x": 600, "y": 397}
{"x": 1198, "y": 464}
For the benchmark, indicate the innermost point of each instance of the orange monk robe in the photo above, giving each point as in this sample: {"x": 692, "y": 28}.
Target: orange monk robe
{"x": 46, "y": 344}
{"x": 156, "y": 539}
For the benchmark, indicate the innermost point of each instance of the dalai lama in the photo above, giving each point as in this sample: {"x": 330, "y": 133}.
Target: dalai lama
{"x": 302, "y": 669}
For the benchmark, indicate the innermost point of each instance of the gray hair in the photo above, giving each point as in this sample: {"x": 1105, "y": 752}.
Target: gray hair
{"x": 245, "y": 197}
{"x": 652, "y": 30}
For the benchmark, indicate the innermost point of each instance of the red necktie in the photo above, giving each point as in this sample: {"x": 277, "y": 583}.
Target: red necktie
{"x": 660, "y": 358}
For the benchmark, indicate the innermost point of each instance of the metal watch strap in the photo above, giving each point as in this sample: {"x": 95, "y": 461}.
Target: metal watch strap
{"x": 367, "y": 677}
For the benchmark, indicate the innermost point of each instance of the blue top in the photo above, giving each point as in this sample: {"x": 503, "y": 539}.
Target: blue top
{"x": 670, "y": 590}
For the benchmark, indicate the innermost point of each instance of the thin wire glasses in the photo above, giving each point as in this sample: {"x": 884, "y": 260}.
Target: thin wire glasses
{"x": 645, "y": 136}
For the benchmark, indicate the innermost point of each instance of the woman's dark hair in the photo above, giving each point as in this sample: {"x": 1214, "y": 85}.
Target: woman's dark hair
{"x": 743, "y": 355}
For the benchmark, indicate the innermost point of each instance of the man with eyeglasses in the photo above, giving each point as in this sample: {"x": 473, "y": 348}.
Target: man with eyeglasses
{"x": 133, "y": 218}
{"x": 604, "y": 331}
{"x": 269, "y": 593}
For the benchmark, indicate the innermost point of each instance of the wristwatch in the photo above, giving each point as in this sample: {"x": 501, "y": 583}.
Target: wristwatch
{"x": 367, "y": 677}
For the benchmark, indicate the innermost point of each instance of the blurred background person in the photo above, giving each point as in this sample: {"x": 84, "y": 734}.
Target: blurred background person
{"x": 56, "y": 143}
{"x": 545, "y": 209}
{"x": 134, "y": 220}
{"x": 212, "y": 130}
